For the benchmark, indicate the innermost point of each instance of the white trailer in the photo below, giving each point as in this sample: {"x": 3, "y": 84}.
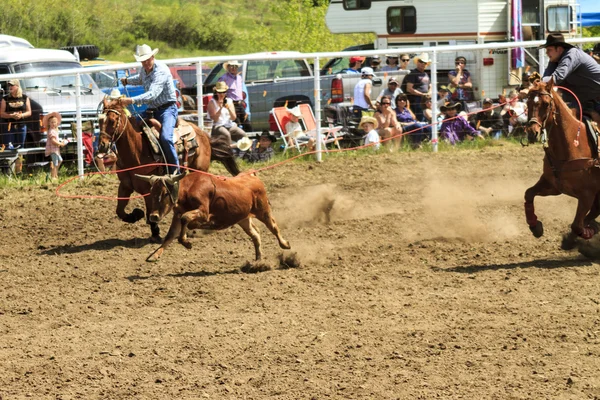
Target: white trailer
{"x": 411, "y": 23}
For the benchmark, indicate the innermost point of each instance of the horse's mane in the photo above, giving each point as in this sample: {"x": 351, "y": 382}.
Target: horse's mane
{"x": 565, "y": 111}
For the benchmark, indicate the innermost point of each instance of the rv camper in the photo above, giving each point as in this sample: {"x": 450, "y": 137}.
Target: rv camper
{"x": 407, "y": 23}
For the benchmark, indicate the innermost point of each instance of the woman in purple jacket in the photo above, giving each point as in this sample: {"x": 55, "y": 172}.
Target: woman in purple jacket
{"x": 456, "y": 129}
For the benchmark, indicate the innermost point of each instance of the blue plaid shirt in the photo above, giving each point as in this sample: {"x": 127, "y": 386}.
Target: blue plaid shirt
{"x": 158, "y": 86}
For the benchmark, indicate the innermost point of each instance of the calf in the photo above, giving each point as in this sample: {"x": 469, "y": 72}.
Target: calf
{"x": 208, "y": 202}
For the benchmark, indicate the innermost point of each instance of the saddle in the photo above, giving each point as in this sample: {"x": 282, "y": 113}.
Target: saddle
{"x": 592, "y": 133}
{"x": 184, "y": 138}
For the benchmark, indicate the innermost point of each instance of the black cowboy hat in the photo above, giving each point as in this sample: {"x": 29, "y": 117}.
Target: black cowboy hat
{"x": 450, "y": 106}
{"x": 556, "y": 39}
{"x": 267, "y": 134}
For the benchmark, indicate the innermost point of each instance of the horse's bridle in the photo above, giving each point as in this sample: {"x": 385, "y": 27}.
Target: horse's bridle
{"x": 118, "y": 134}
{"x": 542, "y": 124}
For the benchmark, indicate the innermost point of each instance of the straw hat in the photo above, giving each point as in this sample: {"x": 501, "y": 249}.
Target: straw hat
{"x": 295, "y": 112}
{"x": 365, "y": 120}
{"x": 144, "y": 52}
{"x": 244, "y": 144}
{"x": 423, "y": 57}
{"x": 232, "y": 62}
{"x": 221, "y": 87}
{"x": 45, "y": 121}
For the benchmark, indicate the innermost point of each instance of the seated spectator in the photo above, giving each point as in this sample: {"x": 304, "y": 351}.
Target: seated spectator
{"x": 460, "y": 84}
{"x": 391, "y": 63}
{"x": 387, "y": 122}
{"x": 515, "y": 112}
{"x": 222, "y": 112}
{"x": 258, "y": 149}
{"x": 355, "y": 65}
{"x": 443, "y": 96}
{"x": 454, "y": 128}
{"x": 392, "y": 90}
{"x": 295, "y": 131}
{"x": 107, "y": 153}
{"x": 410, "y": 126}
{"x": 375, "y": 63}
{"x": 369, "y": 125}
{"x": 489, "y": 121}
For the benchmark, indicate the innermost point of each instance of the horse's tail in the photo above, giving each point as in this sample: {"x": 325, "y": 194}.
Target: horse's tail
{"x": 221, "y": 151}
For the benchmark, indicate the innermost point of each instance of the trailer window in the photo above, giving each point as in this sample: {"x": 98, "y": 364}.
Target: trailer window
{"x": 401, "y": 20}
{"x": 357, "y": 4}
{"x": 559, "y": 19}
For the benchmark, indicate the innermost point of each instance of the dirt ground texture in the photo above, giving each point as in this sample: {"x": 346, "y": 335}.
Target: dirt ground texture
{"x": 426, "y": 283}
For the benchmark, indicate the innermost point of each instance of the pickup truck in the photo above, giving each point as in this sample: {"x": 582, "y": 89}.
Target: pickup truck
{"x": 274, "y": 83}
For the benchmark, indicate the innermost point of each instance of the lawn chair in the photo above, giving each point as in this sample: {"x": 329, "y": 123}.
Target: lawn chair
{"x": 329, "y": 135}
{"x": 282, "y": 117}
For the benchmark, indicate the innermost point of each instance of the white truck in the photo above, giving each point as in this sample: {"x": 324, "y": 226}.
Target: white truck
{"x": 409, "y": 23}
{"x": 48, "y": 94}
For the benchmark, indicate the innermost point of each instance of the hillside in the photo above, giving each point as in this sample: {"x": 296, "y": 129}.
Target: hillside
{"x": 180, "y": 28}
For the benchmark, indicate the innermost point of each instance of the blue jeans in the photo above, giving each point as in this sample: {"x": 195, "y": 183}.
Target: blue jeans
{"x": 418, "y": 135}
{"x": 168, "y": 118}
{"x": 16, "y": 135}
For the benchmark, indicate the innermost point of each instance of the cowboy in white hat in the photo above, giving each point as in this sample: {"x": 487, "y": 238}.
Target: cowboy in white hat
{"x": 417, "y": 84}
{"x": 160, "y": 97}
{"x": 235, "y": 83}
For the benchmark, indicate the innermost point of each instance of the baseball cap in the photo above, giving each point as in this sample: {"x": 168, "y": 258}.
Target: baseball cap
{"x": 393, "y": 80}
{"x": 487, "y": 100}
{"x": 367, "y": 71}
{"x": 357, "y": 58}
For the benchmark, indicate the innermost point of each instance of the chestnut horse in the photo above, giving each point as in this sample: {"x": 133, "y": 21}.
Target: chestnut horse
{"x": 570, "y": 164}
{"x": 135, "y": 150}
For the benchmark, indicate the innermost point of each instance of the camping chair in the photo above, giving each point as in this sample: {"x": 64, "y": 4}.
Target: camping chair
{"x": 282, "y": 117}
{"x": 330, "y": 134}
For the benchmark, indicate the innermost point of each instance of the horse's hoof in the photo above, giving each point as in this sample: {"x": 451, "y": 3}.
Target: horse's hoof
{"x": 587, "y": 233}
{"x": 594, "y": 226}
{"x": 154, "y": 256}
{"x": 186, "y": 243}
{"x": 569, "y": 241}
{"x": 537, "y": 229}
{"x": 156, "y": 239}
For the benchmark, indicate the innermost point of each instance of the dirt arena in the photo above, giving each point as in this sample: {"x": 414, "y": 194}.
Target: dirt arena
{"x": 426, "y": 283}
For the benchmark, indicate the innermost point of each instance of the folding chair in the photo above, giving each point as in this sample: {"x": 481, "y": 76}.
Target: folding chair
{"x": 328, "y": 135}
{"x": 282, "y": 117}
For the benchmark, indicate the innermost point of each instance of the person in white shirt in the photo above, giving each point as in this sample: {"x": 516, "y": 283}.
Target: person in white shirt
{"x": 221, "y": 111}
{"x": 369, "y": 125}
{"x": 295, "y": 131}
{"x": 362, "y": 92}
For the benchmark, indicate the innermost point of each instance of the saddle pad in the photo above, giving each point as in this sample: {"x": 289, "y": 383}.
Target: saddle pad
{"x": 592, "y": 133}
{"x": 152, "y": 136}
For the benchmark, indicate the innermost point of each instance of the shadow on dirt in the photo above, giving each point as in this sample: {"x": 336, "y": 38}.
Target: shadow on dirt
{"x": 543, "y": 264}
{"x": 106, "y": 244}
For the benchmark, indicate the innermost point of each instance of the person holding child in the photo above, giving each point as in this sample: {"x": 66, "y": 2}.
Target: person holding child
{"x": 53, "y": 143}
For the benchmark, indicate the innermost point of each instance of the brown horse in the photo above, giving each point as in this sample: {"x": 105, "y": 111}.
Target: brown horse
{"x": 570, "y": 164}
{"x": 135, "y": 150}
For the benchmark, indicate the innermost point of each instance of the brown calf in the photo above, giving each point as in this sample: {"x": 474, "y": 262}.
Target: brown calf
{"x": 209, "y": 202}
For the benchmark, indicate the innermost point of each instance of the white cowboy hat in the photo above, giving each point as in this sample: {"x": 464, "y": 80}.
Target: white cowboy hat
{"x": 232, "y": 62}
{"x": 295, "y": 112}
{"x": 367, "y": 71}
{"x": 144, "y": 52}
{"x": 244, "y": 144}
{"x": 115, "y": 94}
{"x": 423, "y": 57}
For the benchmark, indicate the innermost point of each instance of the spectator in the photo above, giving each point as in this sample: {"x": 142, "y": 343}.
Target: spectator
{"x": 222, "y": 112}
{"x": 460, "y": 84}
{"x": 362, "y": 93}
{"x": 391, "y": 63}
{"x": 375, "y": 63}
{"x": 388, "y": 124}
{"x": 489, "y": 121}
{"x": 260, "y": 149}
{"x": 392, "y": 90}
{"x": 53, "y": 143}
{"x": 443, "y": 96}
{"x": 15, "y": 107}
{"x": 160, "y": 96}
{"x": 355, "y": 65}
{"x": 408, "y": 121}
{"x": 515, "y": 112}
{"x": 235, "y": 84}
{"x": 404, "y": 61}
{"x": 417, "y": 84}
{"x": 294, "y": 130}
{"x": 369, "y": 125}
{"x": 454, "y": 128}
{"x": 107, "y": 153}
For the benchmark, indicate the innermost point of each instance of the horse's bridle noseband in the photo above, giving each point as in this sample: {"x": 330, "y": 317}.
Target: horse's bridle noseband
{"x": 118, "y": 134}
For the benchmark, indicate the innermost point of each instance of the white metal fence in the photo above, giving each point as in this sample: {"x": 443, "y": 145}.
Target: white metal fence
{"x": 488, "y": 64}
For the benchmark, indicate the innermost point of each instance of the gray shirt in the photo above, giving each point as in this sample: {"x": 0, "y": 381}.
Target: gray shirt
{"x": 578, "y": 72}
{"x": 393, "y": 95}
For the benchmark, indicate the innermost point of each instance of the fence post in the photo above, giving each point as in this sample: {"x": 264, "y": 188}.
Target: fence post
{"x": 434, "y": 100}
{"x": 78, "y": 123}
{"x": 317, "y": 96}
{"x": 199, "y": 103}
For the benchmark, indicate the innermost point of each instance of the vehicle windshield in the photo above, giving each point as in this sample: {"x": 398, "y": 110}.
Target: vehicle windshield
{"x": 188, "y": 76}
{"x": 53, "y": 82}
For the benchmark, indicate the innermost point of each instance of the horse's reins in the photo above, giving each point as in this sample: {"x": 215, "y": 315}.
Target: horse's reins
{"x": 119, "y": 134}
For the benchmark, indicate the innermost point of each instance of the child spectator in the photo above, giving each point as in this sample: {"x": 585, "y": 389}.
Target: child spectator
{"x": 260, "y": 149}
{"x": 295, "y": 131}
{"x": 53, "y": 143}
{"x": 455, "y": 129}
{"x": 369, "y": 125}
